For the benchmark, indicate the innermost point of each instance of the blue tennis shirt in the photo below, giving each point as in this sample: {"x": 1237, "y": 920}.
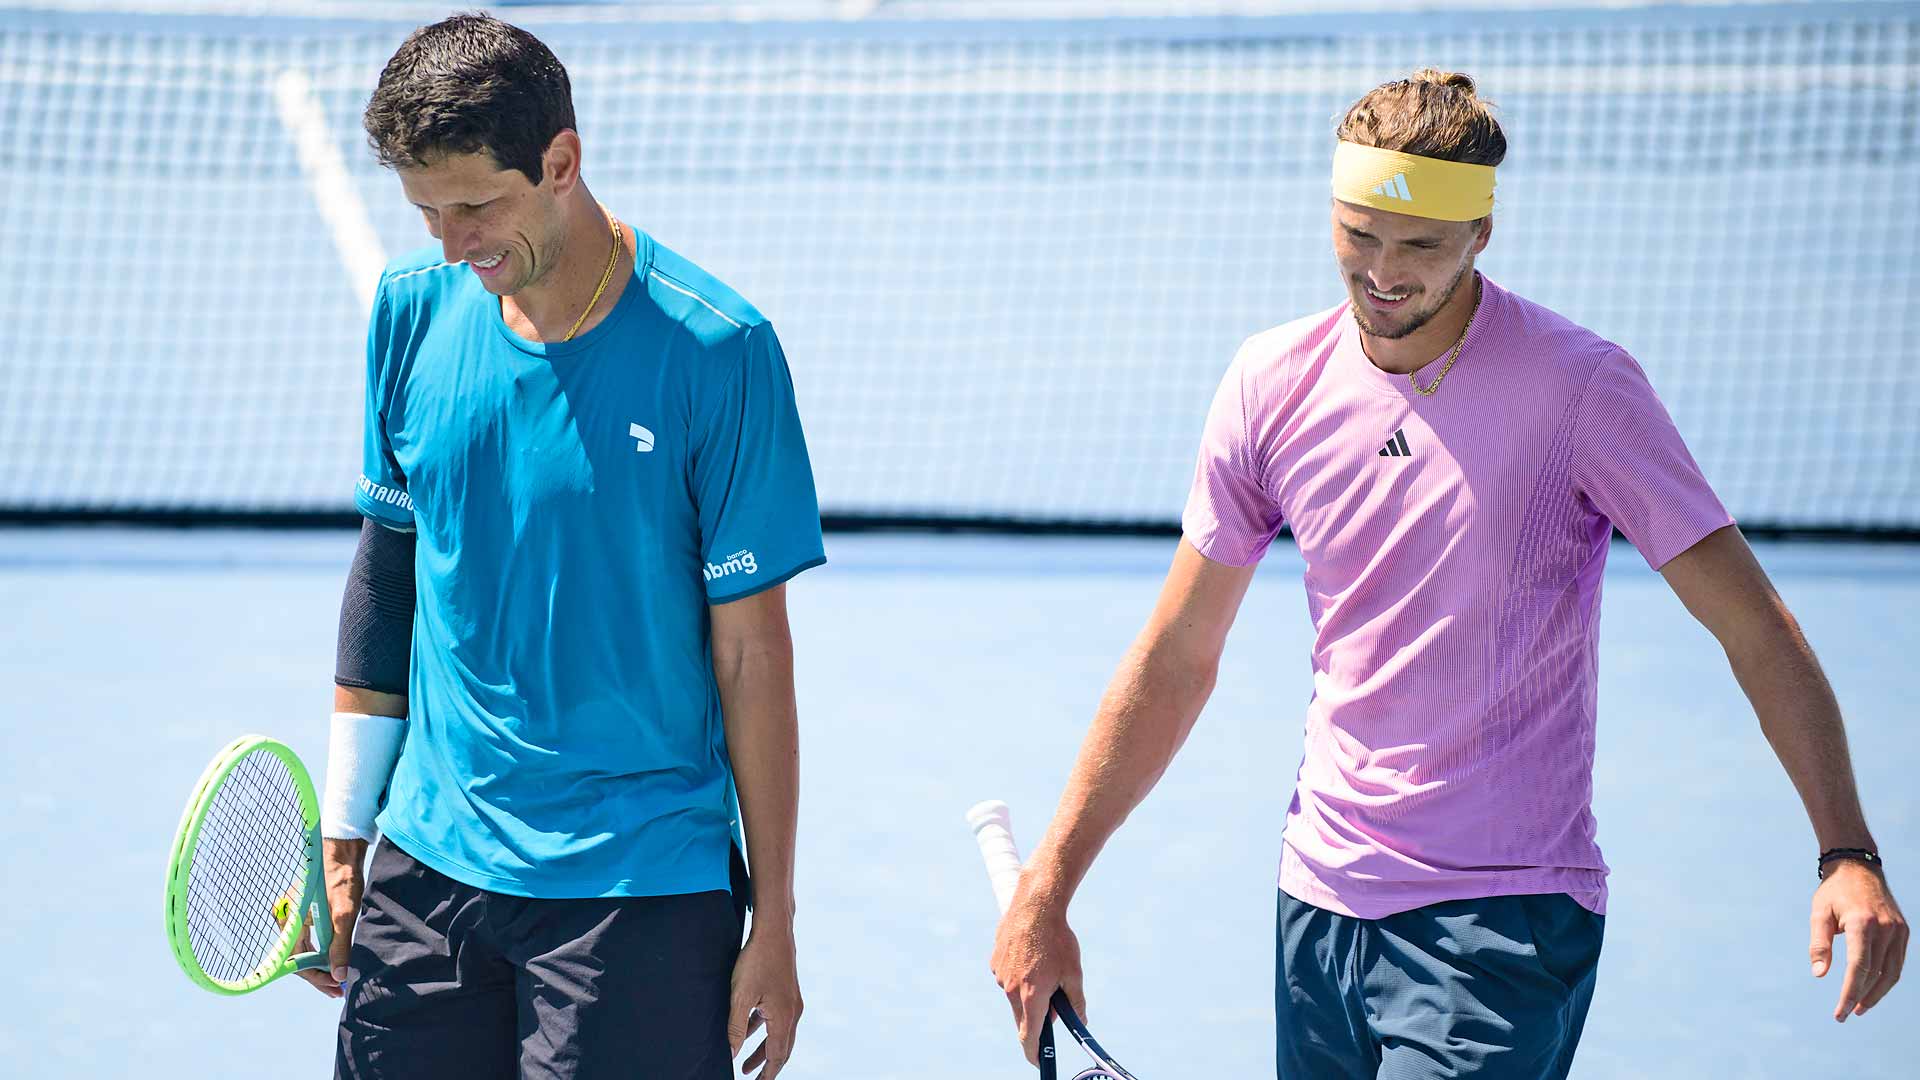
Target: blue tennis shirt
{"x": 578, "y": 505}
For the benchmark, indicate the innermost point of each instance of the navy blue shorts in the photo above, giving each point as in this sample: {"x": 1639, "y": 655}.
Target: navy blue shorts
{"x": 1494, "y": 988}
{"x": 451, "y": 982}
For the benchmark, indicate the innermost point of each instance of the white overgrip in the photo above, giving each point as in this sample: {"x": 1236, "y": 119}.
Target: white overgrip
{"x": 993, "y": 831}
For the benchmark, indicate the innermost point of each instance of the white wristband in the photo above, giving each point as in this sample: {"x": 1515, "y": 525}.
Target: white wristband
{"x": 361, "y": 750}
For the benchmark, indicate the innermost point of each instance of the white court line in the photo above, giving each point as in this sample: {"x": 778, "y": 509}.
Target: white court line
{"x": 354, "y": 238}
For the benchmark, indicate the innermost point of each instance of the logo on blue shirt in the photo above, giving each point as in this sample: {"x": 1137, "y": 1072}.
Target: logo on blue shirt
{"x": 391, "y": 496}
{"x": 740, "y": 562}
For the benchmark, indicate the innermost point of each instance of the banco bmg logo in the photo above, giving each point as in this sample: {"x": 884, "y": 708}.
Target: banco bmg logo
{"x": 740, "y": 562}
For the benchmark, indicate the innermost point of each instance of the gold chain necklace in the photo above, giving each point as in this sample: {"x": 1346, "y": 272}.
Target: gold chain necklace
{"x": 1429, "y": 391}
{"x": 613, "y": 260}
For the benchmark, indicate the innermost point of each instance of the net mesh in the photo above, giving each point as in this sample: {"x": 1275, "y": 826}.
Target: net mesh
{"x": 250, "y": 856}
{"x": 1009, "y": 262}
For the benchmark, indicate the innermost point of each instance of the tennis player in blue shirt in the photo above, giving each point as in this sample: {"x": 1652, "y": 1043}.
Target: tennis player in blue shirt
{"x": 565, "y": 679}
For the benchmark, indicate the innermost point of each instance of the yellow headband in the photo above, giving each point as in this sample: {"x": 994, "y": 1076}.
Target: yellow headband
{"x": 1404, "y": 184}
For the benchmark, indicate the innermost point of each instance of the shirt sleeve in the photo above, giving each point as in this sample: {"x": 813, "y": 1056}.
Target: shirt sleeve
{"x": 752, "y": 481}
{"x": 1230, "y": 516}
{"x": 1631, "y": 464}
{"x": 381, "y": 493}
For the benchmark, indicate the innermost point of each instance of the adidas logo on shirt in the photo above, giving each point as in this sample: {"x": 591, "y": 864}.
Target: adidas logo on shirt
{"x": 1395, "y": 188}
{"x": 1397, "y": 446}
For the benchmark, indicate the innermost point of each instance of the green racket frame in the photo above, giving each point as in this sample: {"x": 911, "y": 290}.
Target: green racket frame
{"x": 311, "y": 911}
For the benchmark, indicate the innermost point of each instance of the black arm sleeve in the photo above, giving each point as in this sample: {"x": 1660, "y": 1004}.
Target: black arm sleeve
{"x": 376, "y": 614}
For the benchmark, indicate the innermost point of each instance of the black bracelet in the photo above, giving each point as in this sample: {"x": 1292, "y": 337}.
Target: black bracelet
{"x": 1865, "y": 855}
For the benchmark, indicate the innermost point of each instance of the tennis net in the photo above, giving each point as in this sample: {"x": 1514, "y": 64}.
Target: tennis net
{"x": 1009, "y": 259}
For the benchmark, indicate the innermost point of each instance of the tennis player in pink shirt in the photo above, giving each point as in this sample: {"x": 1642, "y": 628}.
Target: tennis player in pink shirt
{"x": 1452, "y": 460}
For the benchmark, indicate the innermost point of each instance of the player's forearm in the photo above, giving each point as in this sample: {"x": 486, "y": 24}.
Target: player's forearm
{"x": 762, "y": 727}
{"x": 1145, "y": 717}
{"x": 1801, "y": 719}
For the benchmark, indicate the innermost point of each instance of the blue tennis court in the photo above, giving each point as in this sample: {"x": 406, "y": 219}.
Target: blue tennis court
{"x": 934, "y": 672}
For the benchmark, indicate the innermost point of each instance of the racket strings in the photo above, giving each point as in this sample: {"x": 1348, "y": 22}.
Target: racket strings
{"x": 251, "y": 853}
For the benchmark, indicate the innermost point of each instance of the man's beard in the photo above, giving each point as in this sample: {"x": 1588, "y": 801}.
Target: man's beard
{"x": 1416, "y": 321}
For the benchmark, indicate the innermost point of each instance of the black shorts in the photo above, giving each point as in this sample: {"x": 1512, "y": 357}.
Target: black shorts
{"x": 454, "y": 982}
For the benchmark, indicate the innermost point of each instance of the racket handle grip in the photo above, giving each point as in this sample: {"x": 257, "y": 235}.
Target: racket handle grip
{"x": 993, "y": 831}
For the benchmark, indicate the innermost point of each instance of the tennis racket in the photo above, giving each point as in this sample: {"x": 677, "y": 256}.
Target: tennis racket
{"x": 245, "y": 882}
{"x": 993, "y": 831}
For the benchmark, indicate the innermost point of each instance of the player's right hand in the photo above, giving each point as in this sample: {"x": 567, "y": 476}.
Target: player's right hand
{"x": 1035, "y": 953}
{"x": 345, "y": 862}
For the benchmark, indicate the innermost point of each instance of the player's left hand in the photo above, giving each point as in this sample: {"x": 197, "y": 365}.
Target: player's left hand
{"x": 766, "y": 993}
{"x": 1854, "y": 900}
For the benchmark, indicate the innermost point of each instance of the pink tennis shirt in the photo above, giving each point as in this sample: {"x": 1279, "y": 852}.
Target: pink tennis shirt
{"x": 1454, "y": 547}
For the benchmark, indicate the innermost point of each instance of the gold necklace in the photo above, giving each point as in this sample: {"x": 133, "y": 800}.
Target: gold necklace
{"x": 613, "y": 260}
{"x": 1429, "y": 391}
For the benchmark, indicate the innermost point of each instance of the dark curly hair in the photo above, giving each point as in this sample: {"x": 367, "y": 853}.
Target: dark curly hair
{"x": 465, "y": 84}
